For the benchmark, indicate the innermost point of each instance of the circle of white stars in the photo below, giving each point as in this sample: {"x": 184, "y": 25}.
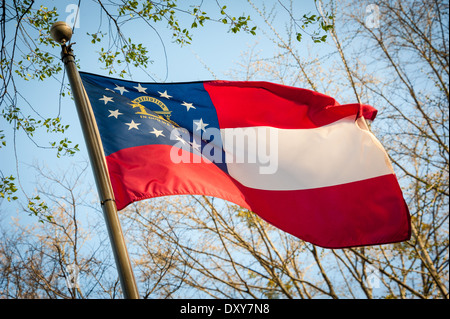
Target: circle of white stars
{"x": 200, "y": 125}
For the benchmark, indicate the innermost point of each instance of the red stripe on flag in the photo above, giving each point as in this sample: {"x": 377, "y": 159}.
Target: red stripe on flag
{"x": 143, "y": 172}
{"x": 244, "y": 104}
{"x": 366, "y": 212}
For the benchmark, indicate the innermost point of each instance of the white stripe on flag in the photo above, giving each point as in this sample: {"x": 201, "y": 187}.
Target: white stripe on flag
{"x": 339, "y": 153}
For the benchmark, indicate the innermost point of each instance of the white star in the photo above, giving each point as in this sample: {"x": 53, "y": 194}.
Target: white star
{"x": 195, "y": 146}
{"x": 133, "y": 125}
{"x": 114, "y": 113}
{"x": 106, "y": 99}
{"x": 179, "y": 138}
{"x": 200, "y": 125}
{"x": 167, "y": 96}
{"x": 121, "y": 89}
{"x": 188, "y": 106}
{"x": 140, "y": 88}
{"x": 157, "y": 132}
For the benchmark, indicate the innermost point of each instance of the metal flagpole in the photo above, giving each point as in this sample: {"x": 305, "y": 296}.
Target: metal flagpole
{"x": 62, "y": 33}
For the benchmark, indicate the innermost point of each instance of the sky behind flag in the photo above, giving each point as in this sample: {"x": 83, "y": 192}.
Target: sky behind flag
{"x": 410, "y": 123}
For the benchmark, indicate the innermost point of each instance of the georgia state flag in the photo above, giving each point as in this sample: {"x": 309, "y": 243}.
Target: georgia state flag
{"x": 297, "y": 158}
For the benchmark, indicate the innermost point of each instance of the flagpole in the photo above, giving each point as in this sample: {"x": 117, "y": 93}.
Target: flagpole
{"x": 62, "y": 33}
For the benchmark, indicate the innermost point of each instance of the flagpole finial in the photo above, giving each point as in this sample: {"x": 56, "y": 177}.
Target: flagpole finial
{"x": 61, "y": 32}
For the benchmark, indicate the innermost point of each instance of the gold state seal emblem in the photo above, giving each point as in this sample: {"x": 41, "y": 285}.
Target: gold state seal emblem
{"x": 163, "y": 113}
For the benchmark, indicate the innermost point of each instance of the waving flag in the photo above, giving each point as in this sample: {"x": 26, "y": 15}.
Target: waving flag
{"x": 295, "y": 157}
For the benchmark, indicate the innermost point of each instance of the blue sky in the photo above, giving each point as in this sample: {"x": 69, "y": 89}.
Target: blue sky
{"x": 212, "y": 46}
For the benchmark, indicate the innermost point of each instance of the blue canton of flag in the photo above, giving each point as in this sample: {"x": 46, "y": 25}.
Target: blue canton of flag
{"x": 130, "y": 114}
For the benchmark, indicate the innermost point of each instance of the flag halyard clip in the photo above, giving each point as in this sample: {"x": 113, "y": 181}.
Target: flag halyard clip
{"x": 108, "y": 199}
{"x": 66, "y": 51}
